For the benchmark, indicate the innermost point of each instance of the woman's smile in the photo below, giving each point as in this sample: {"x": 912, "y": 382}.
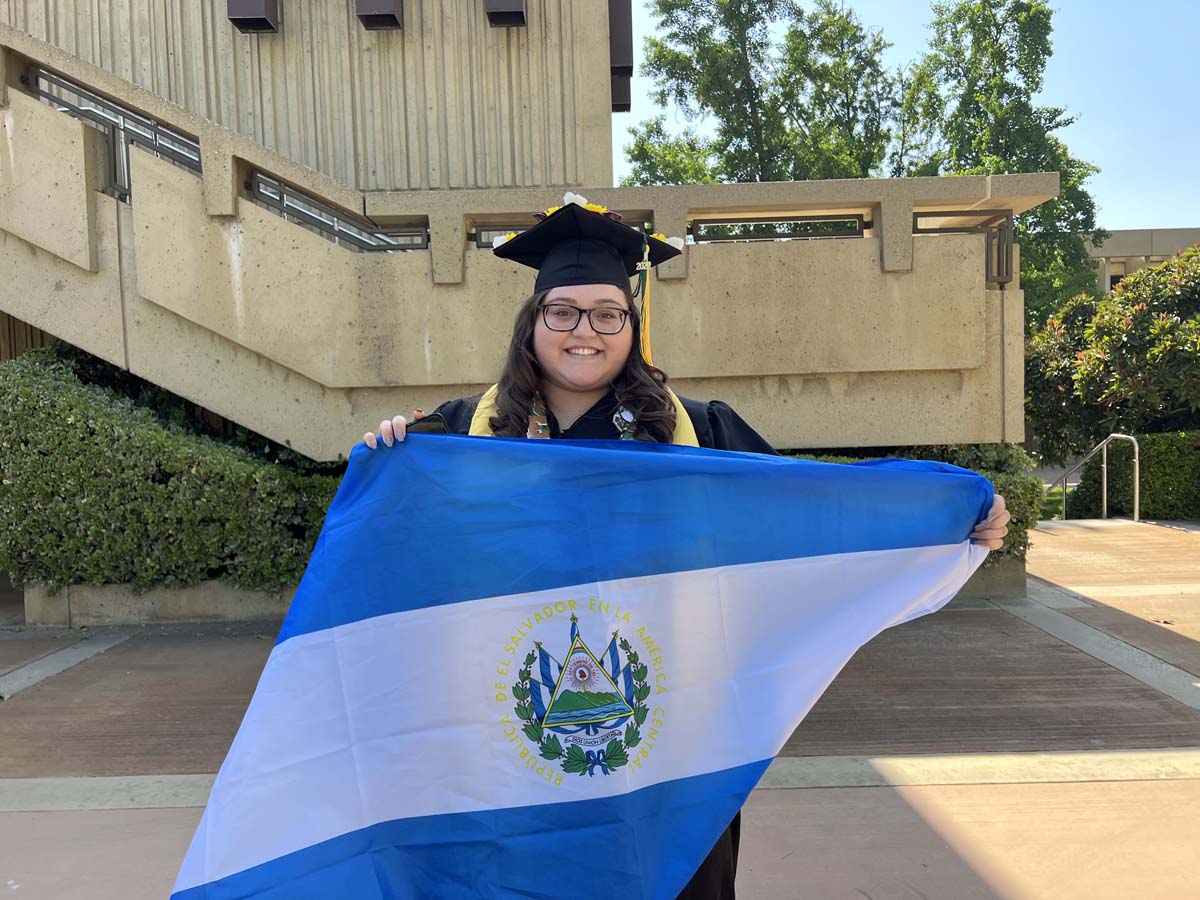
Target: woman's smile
{"x": 575, "y": 357}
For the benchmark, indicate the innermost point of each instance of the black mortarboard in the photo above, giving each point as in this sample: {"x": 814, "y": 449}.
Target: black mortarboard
{"x": 574, "y": 245}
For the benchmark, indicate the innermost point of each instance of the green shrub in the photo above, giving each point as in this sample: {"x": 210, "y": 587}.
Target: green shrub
{"x": 1129, "y": 361}
{"x": 175, "y": 412}
{"x": 1056, "y": 415}
{"x": 1007, "y": 466}
{"x": 1170, "y": 479}
{"x": 96, "y": 489}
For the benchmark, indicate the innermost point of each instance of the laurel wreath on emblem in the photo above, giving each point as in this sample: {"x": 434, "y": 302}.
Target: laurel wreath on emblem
{"x": 575, "y": 759}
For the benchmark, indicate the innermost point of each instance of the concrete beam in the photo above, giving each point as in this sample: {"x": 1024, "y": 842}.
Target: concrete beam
{"x": 896, "y": 233}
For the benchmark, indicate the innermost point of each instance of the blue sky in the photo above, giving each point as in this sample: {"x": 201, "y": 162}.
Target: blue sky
{"x": 1129, "y": 72}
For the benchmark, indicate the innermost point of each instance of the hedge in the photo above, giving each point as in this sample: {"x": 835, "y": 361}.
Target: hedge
{"x": 1007, "y": 466}
{"x": 1170, "y": 479}
{"x": 97, "y": 489}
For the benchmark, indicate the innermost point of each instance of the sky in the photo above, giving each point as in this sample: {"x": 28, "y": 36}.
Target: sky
{"x": 1129, "y": 72}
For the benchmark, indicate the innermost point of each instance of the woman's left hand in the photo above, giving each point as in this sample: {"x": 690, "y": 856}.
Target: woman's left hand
{"x": 991, "y": 531}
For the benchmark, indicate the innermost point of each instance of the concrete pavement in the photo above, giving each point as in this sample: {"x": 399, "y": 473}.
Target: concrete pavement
{"x": 990, "y": 752}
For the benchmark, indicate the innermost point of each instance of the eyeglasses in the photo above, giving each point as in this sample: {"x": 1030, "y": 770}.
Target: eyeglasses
{"x": 603, "y": 319}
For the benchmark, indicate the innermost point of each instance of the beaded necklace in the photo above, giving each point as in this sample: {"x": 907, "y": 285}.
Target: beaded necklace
{"x": 539, "y": 421}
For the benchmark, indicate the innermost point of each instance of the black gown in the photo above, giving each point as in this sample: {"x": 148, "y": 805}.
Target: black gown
{"x": 718, "y": 427}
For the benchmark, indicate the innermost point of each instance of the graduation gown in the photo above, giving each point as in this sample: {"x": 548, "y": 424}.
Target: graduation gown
{"x": 718, "y": 427}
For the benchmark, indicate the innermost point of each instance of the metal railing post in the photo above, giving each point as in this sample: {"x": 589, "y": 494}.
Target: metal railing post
{"x": 1137, "y": 482}
{"x": 1102, "y": 448}
{"x": 1104, "y": 480}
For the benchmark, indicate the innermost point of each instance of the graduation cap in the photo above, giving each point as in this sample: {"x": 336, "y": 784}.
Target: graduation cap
{"x": 584, "y": 243}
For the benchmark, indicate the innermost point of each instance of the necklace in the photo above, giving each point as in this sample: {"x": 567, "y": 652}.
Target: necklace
{"x": 625, "y": 422}
{"x": 539, "y": 421}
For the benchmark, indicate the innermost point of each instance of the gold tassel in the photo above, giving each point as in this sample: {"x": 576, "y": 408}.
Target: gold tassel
{"x": 644, "y": 290}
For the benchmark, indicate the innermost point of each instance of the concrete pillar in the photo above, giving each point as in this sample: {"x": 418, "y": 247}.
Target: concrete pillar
{"x": 1133, "y": 263}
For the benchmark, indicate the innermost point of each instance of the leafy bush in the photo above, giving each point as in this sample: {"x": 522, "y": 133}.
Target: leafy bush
{"x": 175, "y": 412}
{"x": 96, "y": 489}
{"x": 1057, "y": 417}
{"x": 1007, "y": 466}
{"x": 1170, "y": 479}
{"x": 1129, "y": 361}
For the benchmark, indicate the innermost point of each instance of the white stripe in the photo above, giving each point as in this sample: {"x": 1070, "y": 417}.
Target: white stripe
{"x": 401, "y": 715}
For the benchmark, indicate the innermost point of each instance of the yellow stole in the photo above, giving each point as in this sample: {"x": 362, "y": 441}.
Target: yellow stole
{"x": 685, "y": 434}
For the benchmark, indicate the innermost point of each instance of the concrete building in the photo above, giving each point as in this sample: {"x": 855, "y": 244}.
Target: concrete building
{"x": 291, "y": 228}
{"x": 1124, "y": 252}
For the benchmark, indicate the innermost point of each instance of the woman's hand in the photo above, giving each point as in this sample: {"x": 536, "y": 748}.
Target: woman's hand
{"x": 991, "y": 531}
{"x": 391, "y": 430}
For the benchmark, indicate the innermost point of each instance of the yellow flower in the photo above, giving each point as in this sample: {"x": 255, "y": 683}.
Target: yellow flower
{"x": 659, "y": 237}
{"x": 595, "y": 207}
{"x": 552, "y": 210}
{"x": 510, "y": 235}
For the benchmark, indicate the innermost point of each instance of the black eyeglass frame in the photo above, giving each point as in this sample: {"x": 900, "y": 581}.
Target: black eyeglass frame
{"x": 579, "y": 311}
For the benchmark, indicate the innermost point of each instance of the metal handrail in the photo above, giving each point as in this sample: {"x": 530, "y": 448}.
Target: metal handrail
{"x": 1102, "y": 448}
{"x": 850, "y": 225}
{"x": 121, "y": 126}
{"x": 338, "y": 225}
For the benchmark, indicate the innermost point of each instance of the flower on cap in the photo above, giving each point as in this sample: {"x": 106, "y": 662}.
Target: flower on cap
{"x": 501, "y": 239}
{"x": 676, "y": 242}
{"x": 579, "y": 200}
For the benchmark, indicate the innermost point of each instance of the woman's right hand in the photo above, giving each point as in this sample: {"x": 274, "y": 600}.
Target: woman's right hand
{"x": 391, "y": 430}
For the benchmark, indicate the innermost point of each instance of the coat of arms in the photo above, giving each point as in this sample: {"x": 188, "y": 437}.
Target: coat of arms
{"x": 587, "y": 709}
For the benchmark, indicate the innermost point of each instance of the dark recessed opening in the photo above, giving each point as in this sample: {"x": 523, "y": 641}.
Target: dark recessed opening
{"x": 254, "y": 16}
{"x": 255, "y": 25}
{"x": 380, "y": 15}
{"x": 506, "y": 13}
{"x": 380, "y": 22}
{"x": 622, "y": 95}
{"x": 507, "y": 20}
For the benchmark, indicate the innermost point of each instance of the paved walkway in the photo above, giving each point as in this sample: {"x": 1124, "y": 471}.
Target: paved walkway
{"x": 1044, "y": 748}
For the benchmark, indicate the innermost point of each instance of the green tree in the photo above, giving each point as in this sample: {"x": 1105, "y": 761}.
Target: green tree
{"x": 1128, "y": 361}
{"x": 968, "y": 108}
{"x": 1059, "y": 419}
{"x": 658, "y": 158}
{"x": 815, "y": 104}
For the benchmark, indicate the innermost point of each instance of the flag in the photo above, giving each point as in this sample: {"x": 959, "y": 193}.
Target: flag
{"x": 555, "y": 668}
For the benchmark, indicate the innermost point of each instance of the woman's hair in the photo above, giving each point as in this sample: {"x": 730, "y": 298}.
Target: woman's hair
{"x": 639, "y": 386}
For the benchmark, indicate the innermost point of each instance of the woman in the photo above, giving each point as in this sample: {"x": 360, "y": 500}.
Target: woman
{"x": 577, "y": 368}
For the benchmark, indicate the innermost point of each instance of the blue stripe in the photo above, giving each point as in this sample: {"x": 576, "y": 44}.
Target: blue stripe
{"x": 529, "y": 852}
{"x": 549, "y": 679}
{"x": 445, "y": 518}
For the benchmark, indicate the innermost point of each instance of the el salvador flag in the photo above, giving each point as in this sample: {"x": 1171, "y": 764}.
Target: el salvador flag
{"x": 556, "y": 669}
